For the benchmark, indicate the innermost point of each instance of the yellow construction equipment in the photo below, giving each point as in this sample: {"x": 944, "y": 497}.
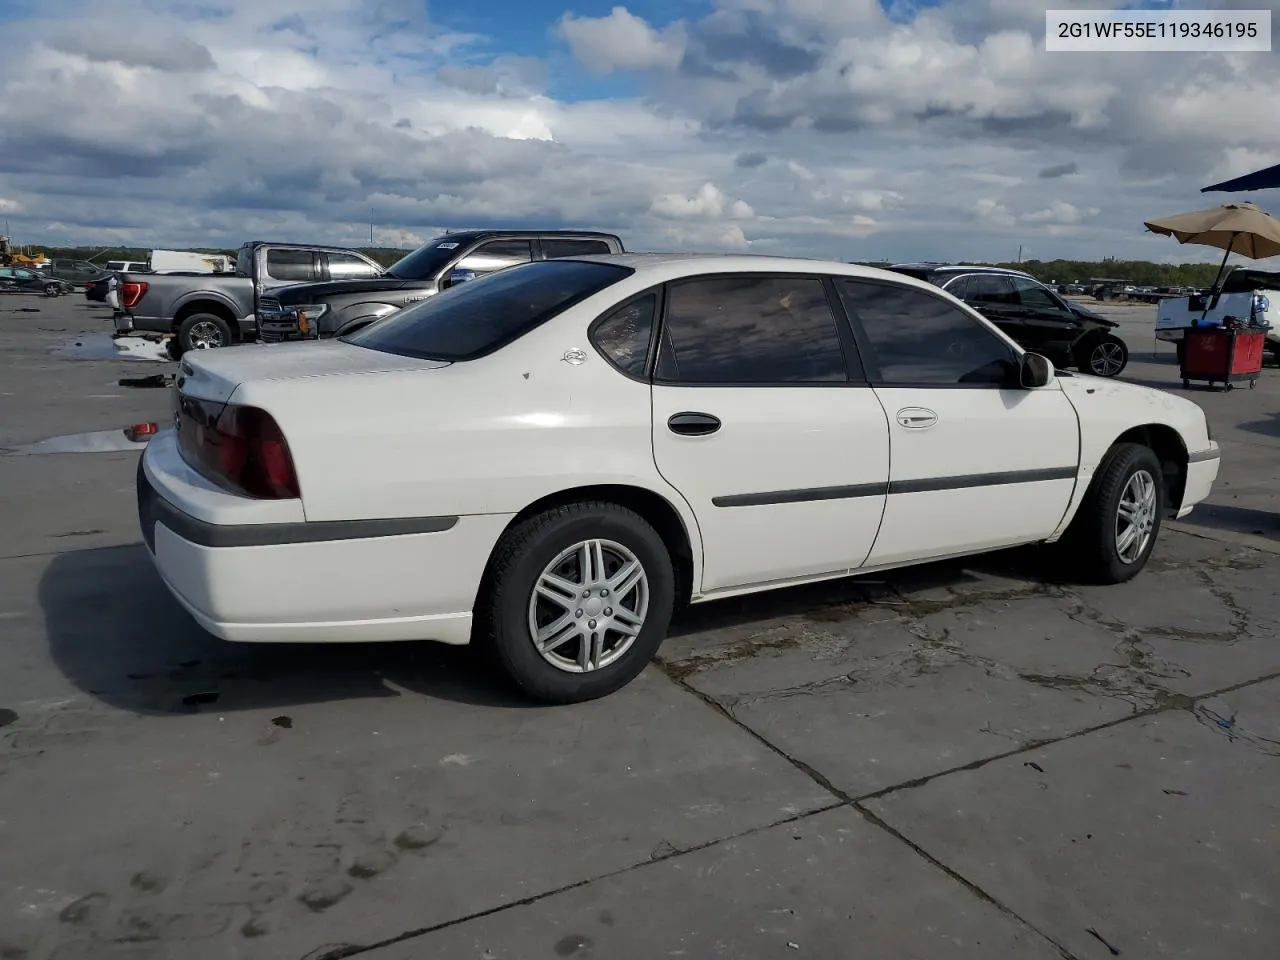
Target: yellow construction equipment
{"x": 9, "y": 258}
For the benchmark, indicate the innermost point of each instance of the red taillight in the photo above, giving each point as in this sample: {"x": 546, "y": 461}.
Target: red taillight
{"x": 140, "y": 432}
{"x": 241, "y": 447}
{"x": 131, "y": 292}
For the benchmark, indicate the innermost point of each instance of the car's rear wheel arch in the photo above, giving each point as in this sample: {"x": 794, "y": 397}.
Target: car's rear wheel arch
{"x": 655, "y": 509}
{"x": 1170, "y": 450}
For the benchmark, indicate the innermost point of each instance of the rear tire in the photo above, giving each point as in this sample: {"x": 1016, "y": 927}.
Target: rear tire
{"x": 203, "y": 331}
{"x": 609, "y": 627}
{"x": 1115, "y": 529}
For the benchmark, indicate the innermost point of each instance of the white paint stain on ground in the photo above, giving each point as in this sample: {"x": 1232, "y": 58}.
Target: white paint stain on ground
{"x": 102, "y": 346}
{"x": 457, "y": 760}
{"x": 99, "y": 441}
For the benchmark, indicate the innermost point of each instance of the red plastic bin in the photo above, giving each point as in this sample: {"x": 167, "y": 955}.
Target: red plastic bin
{"x": 1222, "y": 356}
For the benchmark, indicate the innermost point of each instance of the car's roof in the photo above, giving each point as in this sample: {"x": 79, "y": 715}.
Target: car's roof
{"x": 928, "y": 268}
{"x": 521, "y": 234}
{"x": 674, "y": 265}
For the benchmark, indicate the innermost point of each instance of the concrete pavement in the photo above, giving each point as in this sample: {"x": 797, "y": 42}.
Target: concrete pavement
{"x": 970, "y": 759}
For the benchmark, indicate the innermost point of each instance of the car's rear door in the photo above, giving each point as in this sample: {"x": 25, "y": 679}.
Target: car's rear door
{"x": 977, "y": 461}
{"x": 991, "y": 294}
{"x": 763, "y": 421}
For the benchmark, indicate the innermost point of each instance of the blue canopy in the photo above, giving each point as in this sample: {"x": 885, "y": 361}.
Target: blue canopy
{"x": 1268, "y": 179}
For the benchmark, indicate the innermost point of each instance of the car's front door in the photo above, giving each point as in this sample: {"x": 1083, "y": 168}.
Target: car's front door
{"x": 763, "y": 421}
{"x": 1049, "y": 327}
{"x": 977, "y": 461}
{"x": 490, "y": 257}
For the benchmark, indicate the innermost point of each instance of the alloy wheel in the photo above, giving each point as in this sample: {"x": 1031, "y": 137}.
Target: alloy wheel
{"x": 1136, "y": 516}
{"x": 588, "y": 606}
{"x": 1106, "y": 359}
{"x": 205, "y": 336}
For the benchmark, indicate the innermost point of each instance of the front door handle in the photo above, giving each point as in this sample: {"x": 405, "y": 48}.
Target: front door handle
{"x": 916, "y": 418}
{"x": 693, "y": 424}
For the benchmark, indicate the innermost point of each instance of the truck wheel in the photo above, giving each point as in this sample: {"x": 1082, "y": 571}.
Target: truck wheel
{"x": 204, "y": 331}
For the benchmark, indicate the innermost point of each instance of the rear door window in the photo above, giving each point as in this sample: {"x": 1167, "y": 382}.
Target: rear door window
{"x": 990, "y": 288}
{"x": 347, "y": 266}
{"x": 552, "y": 248}
{"x": 470, "y": 320}
{"x": 294, "y": 265}
{"x": 750, "y": 329}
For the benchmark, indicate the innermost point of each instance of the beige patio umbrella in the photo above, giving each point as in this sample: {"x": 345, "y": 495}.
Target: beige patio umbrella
{"x": 1243, "y": 228}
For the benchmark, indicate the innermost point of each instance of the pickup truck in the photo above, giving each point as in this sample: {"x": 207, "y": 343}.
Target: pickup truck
{"x": 309, "y": 311}
{"x": 1247, "y": 294}
{"x": 206, "y": 310}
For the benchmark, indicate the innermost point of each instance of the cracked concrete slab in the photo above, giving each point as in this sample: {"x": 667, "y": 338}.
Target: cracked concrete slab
{"x": 262, "y": 802}
{"x": 830, "y": 886}
{"x": 1158, "y": 834}
{"x": 170, "y": 795}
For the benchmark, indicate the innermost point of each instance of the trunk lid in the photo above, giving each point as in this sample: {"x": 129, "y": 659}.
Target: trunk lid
{"x": 214, "y": 375}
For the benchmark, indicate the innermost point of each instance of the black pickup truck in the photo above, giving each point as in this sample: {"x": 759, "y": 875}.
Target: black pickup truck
{"x": 308, "y": 311}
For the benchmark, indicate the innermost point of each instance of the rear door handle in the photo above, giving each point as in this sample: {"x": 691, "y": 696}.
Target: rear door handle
{"x": 692, "y": 424}
{"x": 916, "y": 418}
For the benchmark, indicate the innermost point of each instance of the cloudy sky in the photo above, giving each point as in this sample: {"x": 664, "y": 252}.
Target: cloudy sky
{"x": 853, "y": 129}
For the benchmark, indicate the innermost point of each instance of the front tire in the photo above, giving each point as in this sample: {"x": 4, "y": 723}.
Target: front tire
{"x": 1105, "y": 356}
{"x": 52, "y": 290}
{"x": 1116, "y": 527}
{"x": 576, "y": 601}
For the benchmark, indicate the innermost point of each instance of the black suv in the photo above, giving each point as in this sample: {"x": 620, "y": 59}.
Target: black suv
{"x": 1033, "y": 315}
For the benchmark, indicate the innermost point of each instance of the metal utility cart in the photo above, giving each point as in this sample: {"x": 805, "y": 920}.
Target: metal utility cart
{"x": 1228, "y": 354}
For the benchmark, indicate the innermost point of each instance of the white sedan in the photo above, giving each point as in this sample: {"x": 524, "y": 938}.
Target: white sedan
{"x": 548, "y": 460}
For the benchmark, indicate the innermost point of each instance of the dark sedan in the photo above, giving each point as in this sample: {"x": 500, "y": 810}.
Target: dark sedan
{"x": 25, "y": 280}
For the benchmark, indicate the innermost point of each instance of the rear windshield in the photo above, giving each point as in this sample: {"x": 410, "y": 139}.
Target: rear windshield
{"x": 478, "y": 317}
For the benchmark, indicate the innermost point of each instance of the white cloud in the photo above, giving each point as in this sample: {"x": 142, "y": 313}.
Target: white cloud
{"x": 994, "y": 212}
{"x": 801, "y": 126}
{"x": 621, "y": 41}
{"x": 708, "y": 203}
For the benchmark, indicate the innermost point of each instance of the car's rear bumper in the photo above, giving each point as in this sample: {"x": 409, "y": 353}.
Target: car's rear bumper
{"x": 272, "y": 580}
{"x": 1202, "y": 471}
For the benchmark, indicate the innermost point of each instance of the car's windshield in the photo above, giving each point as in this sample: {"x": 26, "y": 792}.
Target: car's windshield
{"x": 427, "y": 261}
{"x": 479, "y": 316}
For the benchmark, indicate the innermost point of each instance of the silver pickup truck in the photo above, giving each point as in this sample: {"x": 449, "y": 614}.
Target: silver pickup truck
{"x": 206, "y": 310}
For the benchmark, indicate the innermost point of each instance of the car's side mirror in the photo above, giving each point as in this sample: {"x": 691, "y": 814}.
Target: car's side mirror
{"x": 459, "y": 275}
{"x": 1034, "y": 371}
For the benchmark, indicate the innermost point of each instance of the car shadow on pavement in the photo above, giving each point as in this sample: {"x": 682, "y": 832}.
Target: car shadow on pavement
{"x": 116, "y": 633}
{"x": 1260, "y": 523}
{"x": 1267, "y": 428}
{"x": 835, "y": 597}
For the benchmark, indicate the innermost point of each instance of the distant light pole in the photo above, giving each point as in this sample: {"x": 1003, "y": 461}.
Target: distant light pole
{"x": 1019, "y": 253}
